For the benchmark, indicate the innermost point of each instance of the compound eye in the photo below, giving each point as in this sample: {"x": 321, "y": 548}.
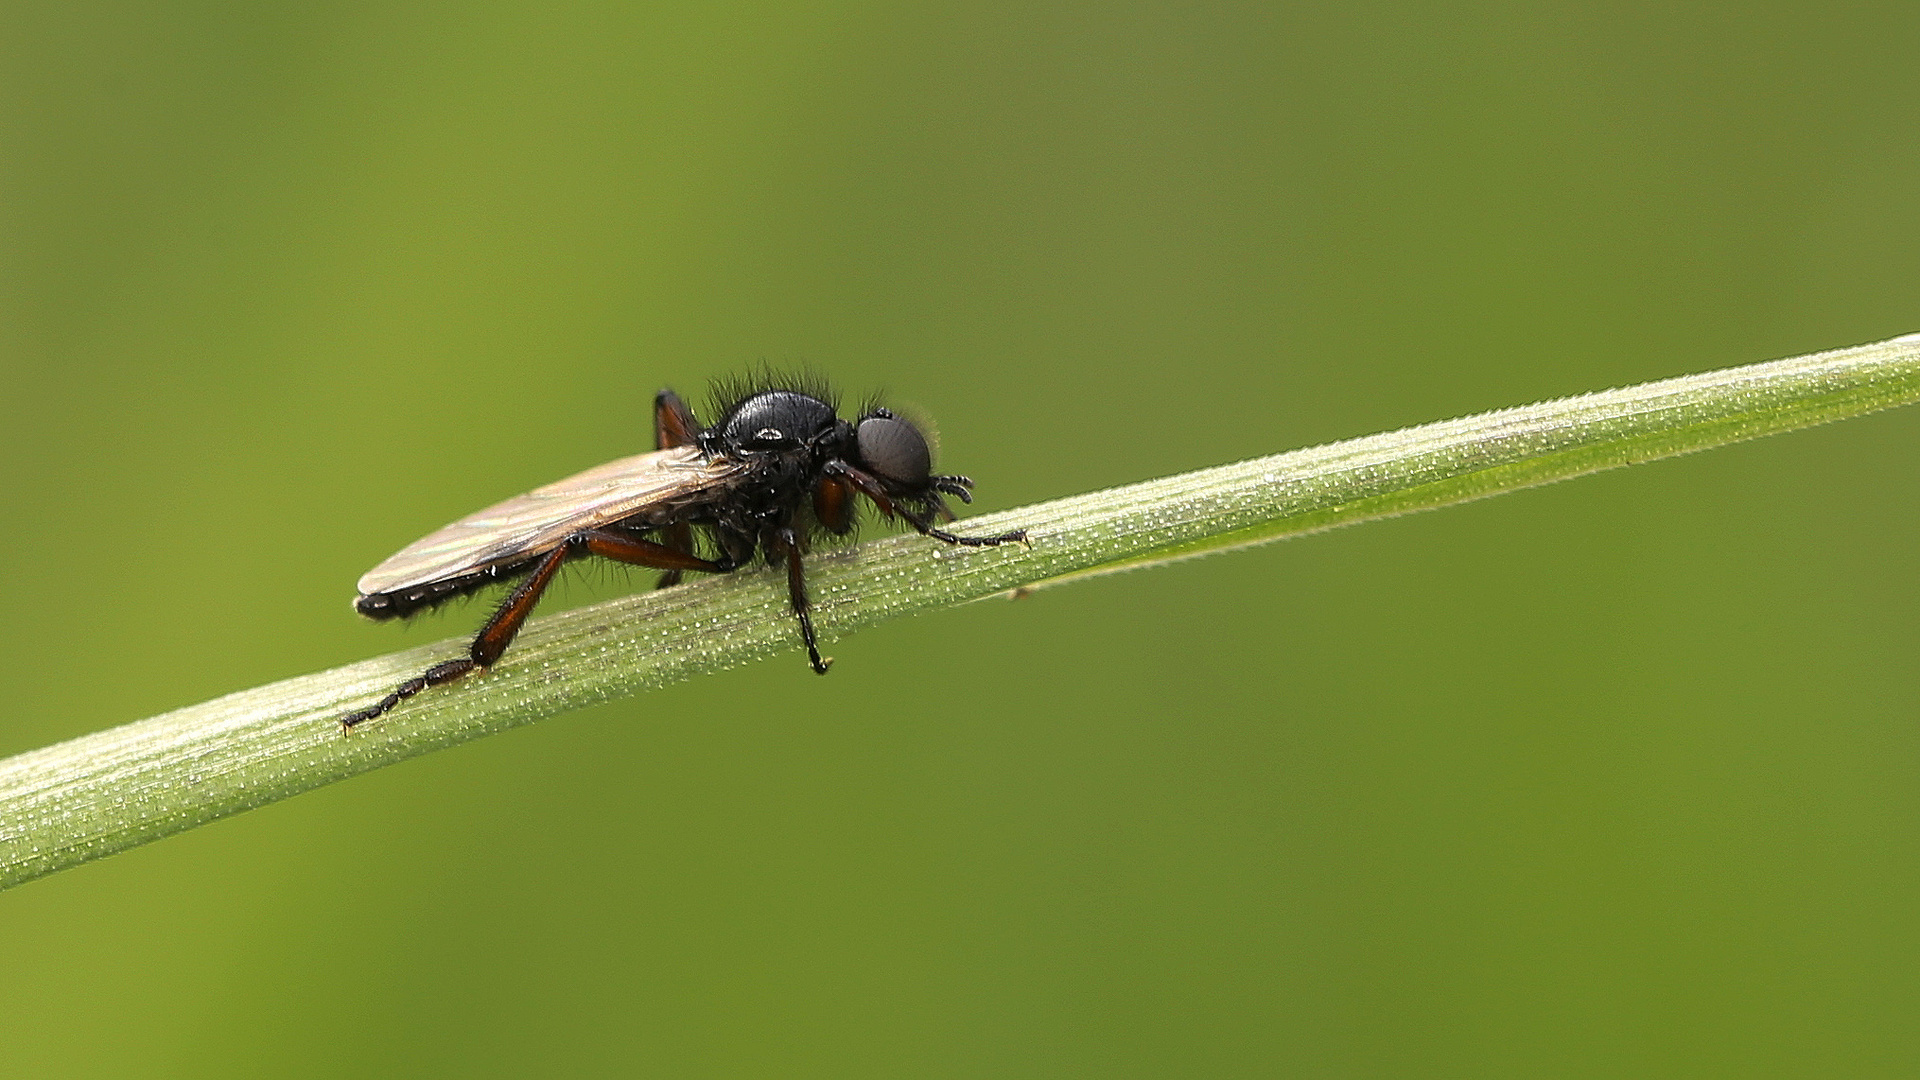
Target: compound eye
{"x": 894, "y": 449}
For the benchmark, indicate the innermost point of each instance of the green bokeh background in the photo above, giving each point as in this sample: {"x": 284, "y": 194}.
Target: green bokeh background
{"x": 1615, "y": 778}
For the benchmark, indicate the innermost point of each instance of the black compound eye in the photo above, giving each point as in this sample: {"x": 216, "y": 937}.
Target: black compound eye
{"x": 894, "y": 449}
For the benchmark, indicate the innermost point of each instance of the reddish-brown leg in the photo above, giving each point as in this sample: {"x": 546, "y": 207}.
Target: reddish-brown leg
{"x": 629, "y": 549}
{"x": 833, "y": 504}
{"x": 488, "y": 644}
{"x": 673, "y": 425}
{"x": 678, "y": 537}
{"x": 870, "y": 487}
{"x": 492, "y": 640}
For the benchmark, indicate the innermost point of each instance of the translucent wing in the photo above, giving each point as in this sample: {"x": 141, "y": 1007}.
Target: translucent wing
{"x": 542, "y": 519}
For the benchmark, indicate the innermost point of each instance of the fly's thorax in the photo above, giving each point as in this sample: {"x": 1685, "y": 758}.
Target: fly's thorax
{"x": 767, "y": 492}
{"x": 784, "y": 440}
{"x": 771, "y": 422}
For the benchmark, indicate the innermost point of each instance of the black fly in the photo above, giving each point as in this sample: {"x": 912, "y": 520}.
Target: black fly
{"x": 779, "y": 465}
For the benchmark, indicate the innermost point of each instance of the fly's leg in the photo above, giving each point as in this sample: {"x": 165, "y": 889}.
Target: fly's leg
{"x": 833, "y": 504}
{"x": 488, "y": 644}
{"x": 621, "y": 547}
{"x": 1017, "y": 536}
{"x": 870, "y": 487}
{"x": 678, "y": 537}
{"x": 798, "y": 599}
{"x": 674, "y": 425}
{"x": 499, "y": 632}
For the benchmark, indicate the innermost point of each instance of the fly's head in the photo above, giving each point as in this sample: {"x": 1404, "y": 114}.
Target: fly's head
{"x": 894, "y": 452}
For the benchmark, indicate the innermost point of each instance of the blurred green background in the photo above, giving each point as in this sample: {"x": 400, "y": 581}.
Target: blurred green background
{"x": 1614, "y": 778}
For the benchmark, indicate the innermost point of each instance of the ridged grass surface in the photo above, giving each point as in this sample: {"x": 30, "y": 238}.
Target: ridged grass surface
{"x": 92, "y": 796}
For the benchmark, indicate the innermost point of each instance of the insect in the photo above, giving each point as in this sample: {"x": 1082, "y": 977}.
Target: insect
{"x": 777, "y": 468}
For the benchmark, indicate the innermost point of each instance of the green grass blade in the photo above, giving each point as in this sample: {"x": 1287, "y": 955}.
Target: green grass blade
{"x": 112, "y": 790}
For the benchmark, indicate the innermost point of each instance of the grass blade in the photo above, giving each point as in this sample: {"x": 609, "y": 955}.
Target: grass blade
{"x": 89, "y": 797}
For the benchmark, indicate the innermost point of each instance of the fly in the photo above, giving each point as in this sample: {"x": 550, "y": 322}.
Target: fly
{"x": 779, "y": 467}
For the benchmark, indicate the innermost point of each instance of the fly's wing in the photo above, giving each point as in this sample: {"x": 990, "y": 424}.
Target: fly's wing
{"x": 539, "y": 521}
